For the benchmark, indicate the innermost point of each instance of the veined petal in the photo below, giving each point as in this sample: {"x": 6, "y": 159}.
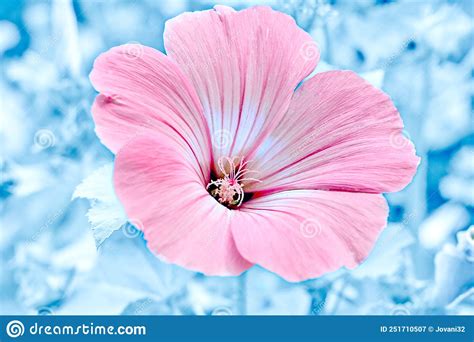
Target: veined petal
{"x": 182, "y": 223}
{"x": 143, "y": 91}
{"x": 340, "y": 133}
{"x": 302, "y": 234}
{"x": 245, "y": 66}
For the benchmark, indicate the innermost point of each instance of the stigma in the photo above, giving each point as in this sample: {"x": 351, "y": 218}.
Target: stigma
{"x": 228, "y": 188}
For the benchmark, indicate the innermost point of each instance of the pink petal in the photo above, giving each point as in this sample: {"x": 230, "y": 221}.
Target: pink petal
{"x": 245, "y": 66}
{"x": 340, "y": 133}
{"x": 141, "y": 91}
{"x": 302, "y": 234}
{"x": 164, "y": 196}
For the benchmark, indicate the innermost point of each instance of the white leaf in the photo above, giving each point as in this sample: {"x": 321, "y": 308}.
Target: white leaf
{"x": 106, "y": 214}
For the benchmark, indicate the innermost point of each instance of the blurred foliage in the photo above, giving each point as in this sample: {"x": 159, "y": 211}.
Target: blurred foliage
{"x": 419, "y": 52}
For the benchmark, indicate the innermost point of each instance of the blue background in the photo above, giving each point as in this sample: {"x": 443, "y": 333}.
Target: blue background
{"x": 419, "y": 52}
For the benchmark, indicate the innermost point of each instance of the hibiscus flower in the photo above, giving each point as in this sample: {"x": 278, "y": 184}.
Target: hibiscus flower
{"x": 226, "y": 160}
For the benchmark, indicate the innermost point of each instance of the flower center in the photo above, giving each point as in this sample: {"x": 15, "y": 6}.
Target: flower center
{"x": 228, "y": 188}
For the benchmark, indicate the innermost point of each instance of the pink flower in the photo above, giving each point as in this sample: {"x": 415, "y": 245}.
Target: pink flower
{"x": 226, "y": 165}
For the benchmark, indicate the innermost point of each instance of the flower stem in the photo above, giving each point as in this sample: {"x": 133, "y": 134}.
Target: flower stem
{"x": 242, "y": 294}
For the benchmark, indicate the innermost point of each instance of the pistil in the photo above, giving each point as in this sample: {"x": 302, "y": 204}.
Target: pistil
{"x": 228, "y": 189}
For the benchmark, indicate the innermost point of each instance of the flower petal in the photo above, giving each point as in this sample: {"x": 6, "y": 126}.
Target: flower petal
{"x": 245, "y": 66}
{"x": 302, "y": 234}
{"x": 340, "y": 133}
{"x": 142, "y": 91}
{"x": 160, "y": 190}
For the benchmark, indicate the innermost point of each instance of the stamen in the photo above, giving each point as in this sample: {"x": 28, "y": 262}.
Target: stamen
{"x": 229, "y": 189}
